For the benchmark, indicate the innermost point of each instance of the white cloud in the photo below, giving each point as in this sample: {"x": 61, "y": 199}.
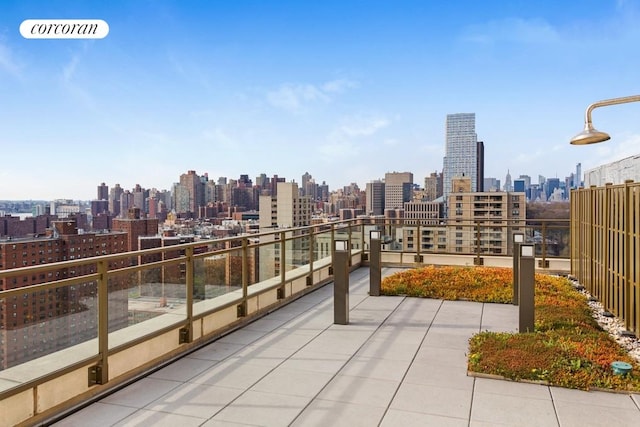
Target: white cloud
{"x": 512, "y": 30}
{"x": 150, "y": 136}
{"x": 339, "y": 85}
{"x": 176, "y": 64}
{"x": 296, "y": 97}
{"x": 528, "y": 156}
{"x": 363, "y": 126}
{"x": 69, "y": 70}
{"x": 293, "y": 97}
{"x": 7, "y": 62}
{"x": 189, "y": 70}
{"x": 338, "y": 150}
{"x": 206, "y": 114}
{"x": 626, "y": 6}
{"x": 619, "y": 148}
{"x": 219, "y": 137}
{"x": 69, "y": 79}
{"x": 346, "y": 141}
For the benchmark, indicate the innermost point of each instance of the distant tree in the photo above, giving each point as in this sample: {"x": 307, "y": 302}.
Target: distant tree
{"x": 556, "y": 234}
{"x": 548, "y": 210}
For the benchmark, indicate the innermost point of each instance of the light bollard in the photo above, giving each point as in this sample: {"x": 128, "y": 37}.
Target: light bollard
{"x": 518, "y": 239}
{"x": 526, "y": 282}
{"x": 375, "y": 270}
{"x": 341, "y": 255}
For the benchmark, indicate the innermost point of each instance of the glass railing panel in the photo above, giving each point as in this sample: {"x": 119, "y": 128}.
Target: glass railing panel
{"x": 267, "y": 256}
{"x": 558, "y": 240}
{"x": 357, "y": 238}
{"x": 296, "y": 250}
{"x": 147, "y": 293}
{"x": 392, "y": 237}
{"x": 366, "y": 234}
{"x": 460, "y": 238}
{"x": 322, "y": 245}
{"x": 233, "y": 269}
{"x": 217, "y": 274}
{"x": 341, "y": 233}
{"x": 40, "y": 323}
{"x": 489, "y": 238}
{"x": 552, "y": 238}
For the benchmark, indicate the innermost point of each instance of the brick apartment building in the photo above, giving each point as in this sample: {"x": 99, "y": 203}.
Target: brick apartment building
{"x": 135, "y": 227}
{"x": 14, "y": 226}
{"x": 38, "y": 323}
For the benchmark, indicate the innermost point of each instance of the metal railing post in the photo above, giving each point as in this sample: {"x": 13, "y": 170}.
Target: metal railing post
{"x": 312, "y": 242}
{"x": 333, "y": 238}
{"x": 245, "y": 263}
{"x": 350, "y": 239}
{"x": 186, "y": 333}
{"x": 478, "y": 259}
{"x": 242, "y": 307}
{"x": 418, "y": 243}
{"x": 518, "y": 239}
{"x": 544, "y": 262}
{"x": 283, "y": 257}
{"x": 99, "y": 374}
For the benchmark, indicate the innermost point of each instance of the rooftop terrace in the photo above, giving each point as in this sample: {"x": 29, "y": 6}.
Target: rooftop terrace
{"x": 399, "y": 361}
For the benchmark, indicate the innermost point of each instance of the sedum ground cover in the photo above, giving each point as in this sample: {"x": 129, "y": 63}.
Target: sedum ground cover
{"x": 567, "y": 349}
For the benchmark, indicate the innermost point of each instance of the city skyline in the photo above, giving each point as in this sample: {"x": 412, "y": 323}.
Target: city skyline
{"x": 346, "y": 91}
{"x": 418, "y": 183}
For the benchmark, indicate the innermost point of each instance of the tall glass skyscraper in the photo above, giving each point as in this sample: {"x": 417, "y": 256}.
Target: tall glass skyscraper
{"x": 461, "y": 151}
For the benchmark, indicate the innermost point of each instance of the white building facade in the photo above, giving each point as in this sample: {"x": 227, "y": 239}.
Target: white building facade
{"x": 461, "y": 151}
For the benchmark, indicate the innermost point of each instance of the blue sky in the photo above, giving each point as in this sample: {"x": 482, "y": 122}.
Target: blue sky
{"x": 345, "y": 90}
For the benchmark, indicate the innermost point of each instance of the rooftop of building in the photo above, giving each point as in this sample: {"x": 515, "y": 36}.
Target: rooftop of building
{"x": 398, "y": 361}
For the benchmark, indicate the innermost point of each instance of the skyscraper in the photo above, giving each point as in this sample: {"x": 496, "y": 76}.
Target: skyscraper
{"x": 461, "y": 151}
{"x": 103, "y": 192}
{"x": 287, "y": 209}
{"x": 508, "y": 186}
{"x": 527, "y": 180}
{"x": 433, "y": 186}
{"x": 375, "y": 197}
{"x": 194, "y": 186}
{"x": 101, "y": 204}
{"x": 519, "y": 186}
{"x": 114, "y": 199}
{"x": 480, "y": 170}
{"x": 398, "y": 188}
{"x": 550, "y": 186}
{"x": 491, "y": 184}
{"x": 306, "y": 178}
